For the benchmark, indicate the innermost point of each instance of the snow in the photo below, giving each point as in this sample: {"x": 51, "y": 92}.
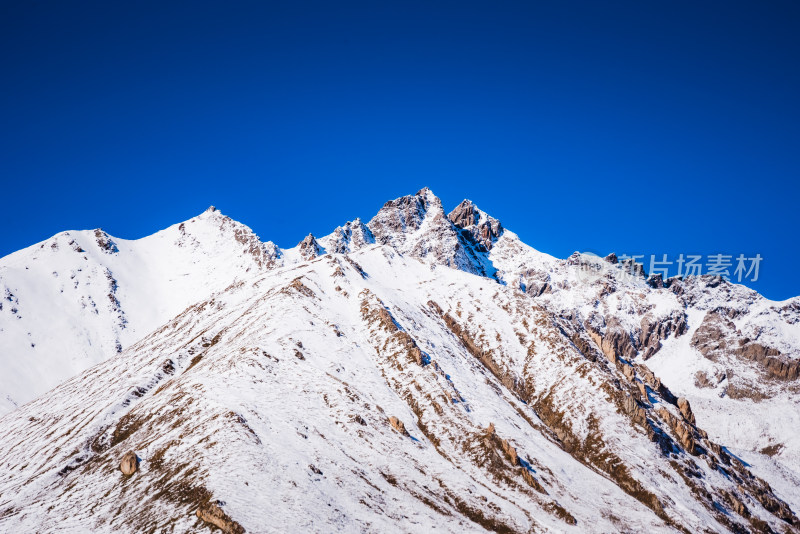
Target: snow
{"x": 239, "y": 415}
{"x": 73, "y": 309}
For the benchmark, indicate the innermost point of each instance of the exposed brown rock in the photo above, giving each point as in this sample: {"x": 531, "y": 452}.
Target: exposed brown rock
{"x": 629, "y": 372}
{"x": 560, "y": 512}
{"x": 703, "y": 380}
{"x": 309, "y": 248}
{"x": 615, "y": 343}
{"x": 398, "y": 425}
{"x": 483, "y": 234}
{"x": 649, "y": 378}
{"x": 211, "y": 513}
{"x": 681, "y": 429}
{"x": 504, "y": 445}
{"x": 717, "y": 337}
{"x": 435, "y": 307}
{"x": 386, "y": 319}
{"x": 635, "y": 410}
{"x": 584, "y": 346}
{"x": 350, "y": 237}
{"x": 686, "y": 410}
{"x": 736, "y": 504}
{"x": 510, "y": 451}
{"x": 654, "y": 331}
{"x": 129, "y": 463}
{"x": 532, "y": 482}
{"x": 105, "y": 242}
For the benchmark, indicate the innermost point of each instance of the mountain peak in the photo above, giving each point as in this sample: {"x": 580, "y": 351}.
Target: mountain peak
{"x": 352, "y": 236}
{"x": 482, "y": 228}
{"x": 428, "y": 196}
{"x": 514, "y": 397}
{"x": 309, "y": 247}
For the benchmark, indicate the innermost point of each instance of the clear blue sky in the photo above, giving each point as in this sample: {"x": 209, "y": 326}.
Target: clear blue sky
{"x": 635, "y": 127}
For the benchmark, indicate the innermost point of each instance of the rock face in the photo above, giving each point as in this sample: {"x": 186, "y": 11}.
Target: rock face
{"x": 129, "y": 463}
{"x": 398, "y": 425}
{"x": 212, "y": 514}
{"x": 719, "y": 340}
{"x": 686, "y": 410}
{"x": 309, "y": 248}
{"x": 477, "y": 225}
{"x": 615, "y": 342}
{"x": 348, "y": 238}
{"x": 654, "y": 331}
{"x": 417, "y": 225}
{"x": 525, "y": 383}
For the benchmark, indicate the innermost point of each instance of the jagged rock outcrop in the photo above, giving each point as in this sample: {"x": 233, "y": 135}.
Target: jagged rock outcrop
{"x": 554, "y": 360}
{"x": 686, "y": 410}
{"x": 105, "y": 242}
{"x": 717, "y": 339}
{"x": 650, "y": 379}
{"x": 309, "y": 248}
{"x": 212, "y": 514}
{"x": 417, "y": 225}
{"x": 348, "y": 238}
{"x": 481, "y": 229}
{"x": 398, "y": 425}
{"x": 655, "y": 330}
{"x": 265, "y": 254}
{"x": 682, "y": 430}
{"x": 615, "y": 342}
{"x": 504, "y": 445}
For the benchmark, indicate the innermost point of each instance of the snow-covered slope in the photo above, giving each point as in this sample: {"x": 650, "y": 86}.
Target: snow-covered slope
{"x": 79, "y": 297}
{"x": 421, "y": 372}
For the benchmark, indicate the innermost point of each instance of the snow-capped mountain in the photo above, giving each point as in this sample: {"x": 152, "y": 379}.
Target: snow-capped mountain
{"x": 79, "y": 297}
{"x": 421, "y": 371}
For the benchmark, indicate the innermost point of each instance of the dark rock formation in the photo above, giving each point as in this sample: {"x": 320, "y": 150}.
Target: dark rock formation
{"x": 105, "y": 242}
{"x": 682, "y": 430}
{"x": 717, "y": 337}
{"x": 481, "y": 232}
{"x": 654, "y": 331}
{"x": 309, "y": 248}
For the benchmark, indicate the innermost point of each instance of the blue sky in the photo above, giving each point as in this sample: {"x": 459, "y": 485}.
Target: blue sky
{"x": 635, "y": 127}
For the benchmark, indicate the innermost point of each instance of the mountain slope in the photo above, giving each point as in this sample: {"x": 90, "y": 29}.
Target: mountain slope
{"x": 79, "y": 297}
{"x": 276, "y": 395}
{"x": 425, "y": 370}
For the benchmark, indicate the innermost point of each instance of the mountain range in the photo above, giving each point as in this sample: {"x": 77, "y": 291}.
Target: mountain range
{"x": 421, "y": 371}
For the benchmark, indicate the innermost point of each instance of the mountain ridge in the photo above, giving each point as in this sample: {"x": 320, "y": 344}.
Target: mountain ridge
{"x": 491, "y": 355}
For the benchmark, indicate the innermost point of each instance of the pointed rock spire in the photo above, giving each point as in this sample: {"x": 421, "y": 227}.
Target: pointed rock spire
{"x": 418, "y": 226}
{"x": 310, "y": 248}
{"x": 404, "y": 215}
{"x": 480, "y": 227}
{"x": 348, "y": 238}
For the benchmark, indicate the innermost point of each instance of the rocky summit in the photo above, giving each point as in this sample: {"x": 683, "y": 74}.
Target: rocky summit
{"x": 422, "y": 371}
